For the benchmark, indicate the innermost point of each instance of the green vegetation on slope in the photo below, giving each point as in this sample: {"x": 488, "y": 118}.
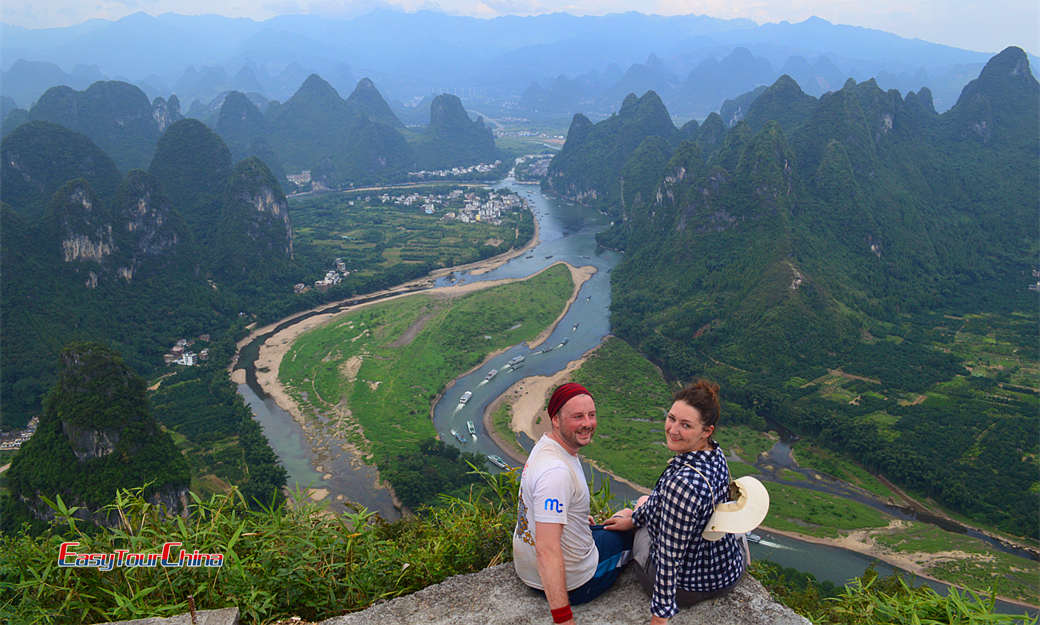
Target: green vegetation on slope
{"x": 829, "y": 274}
{"x": 288, "y": 561}
{"x": 631, "y": 399}
{"x": 96, "y": 435}
{"x": 279, "y": 562}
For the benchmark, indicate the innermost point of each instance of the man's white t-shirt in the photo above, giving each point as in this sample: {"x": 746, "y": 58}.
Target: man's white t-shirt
{"x": 553, "y": 490}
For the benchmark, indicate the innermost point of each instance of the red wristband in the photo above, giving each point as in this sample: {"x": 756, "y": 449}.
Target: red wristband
{"x": 562, "y": 615}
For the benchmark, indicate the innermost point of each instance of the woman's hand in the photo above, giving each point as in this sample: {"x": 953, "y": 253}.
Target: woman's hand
{"x": 620, "y": 522}
{"x": 657, "y": 620}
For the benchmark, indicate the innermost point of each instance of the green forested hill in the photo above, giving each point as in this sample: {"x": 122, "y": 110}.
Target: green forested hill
{"x": 832, "y": 271}
{"x": 240, "y": 124}
{"x": 96, "y": 435}
{"x": 452, "y": 139}
{"x": 89, "y": 257}
{"x": 114, "y": 114}
{"x": 338, "y": 141}
{"x": 343, "y": 142}
{"x": 192, "y": 164}
{"x": 588, "y": 168}
{"x": 39, "y": 157}
{"x": 366, "y": 101}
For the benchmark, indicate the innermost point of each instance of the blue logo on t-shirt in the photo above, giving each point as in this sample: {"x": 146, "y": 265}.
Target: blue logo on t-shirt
{"x": 553, "y": 505}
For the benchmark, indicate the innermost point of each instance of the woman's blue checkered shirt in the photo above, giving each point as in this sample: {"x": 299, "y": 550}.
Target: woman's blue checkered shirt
{"x": 675, "y": 515}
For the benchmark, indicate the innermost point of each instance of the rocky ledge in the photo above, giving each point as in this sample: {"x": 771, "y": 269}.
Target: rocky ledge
{"x": 496, "y": 596}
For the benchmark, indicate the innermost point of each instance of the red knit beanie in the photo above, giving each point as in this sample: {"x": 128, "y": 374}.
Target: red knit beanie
{"x": 562, "y": 394}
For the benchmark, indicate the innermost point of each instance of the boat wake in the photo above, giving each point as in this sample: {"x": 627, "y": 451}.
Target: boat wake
{"x": 772, "y": 545}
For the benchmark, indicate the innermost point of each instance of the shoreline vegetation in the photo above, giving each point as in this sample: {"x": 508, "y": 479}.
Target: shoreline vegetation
{"x": 915, "y": 563}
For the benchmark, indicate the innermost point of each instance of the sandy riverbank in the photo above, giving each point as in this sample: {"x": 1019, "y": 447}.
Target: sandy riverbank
{"x": 861, "y": 541}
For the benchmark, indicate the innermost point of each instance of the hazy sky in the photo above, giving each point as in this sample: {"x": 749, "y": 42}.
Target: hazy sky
{"x": 971, "y": 24}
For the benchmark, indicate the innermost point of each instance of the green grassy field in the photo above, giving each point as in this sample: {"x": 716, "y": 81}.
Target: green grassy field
{"x": 360, "y": 363}
{"x": 984, "y": 397}
{"x": 745, "y": 441}
{"x": 500, "y": 420}
{"x": 817, "y": 514}
{"x": 825, "y": 461}
{"x": 372, "y": 236}
{"x": 982, "y": 567}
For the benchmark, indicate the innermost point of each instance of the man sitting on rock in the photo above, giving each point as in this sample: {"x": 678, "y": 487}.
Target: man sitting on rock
{"x": 556, "y": 549}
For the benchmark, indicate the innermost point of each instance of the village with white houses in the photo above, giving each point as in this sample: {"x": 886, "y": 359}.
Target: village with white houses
{"x": 332, "y": 278}
{"x": 13, "y": 440}
{"x": 457, "y": 204}
{"x": 182, "y": 354}
{"x": 455, "y": 172}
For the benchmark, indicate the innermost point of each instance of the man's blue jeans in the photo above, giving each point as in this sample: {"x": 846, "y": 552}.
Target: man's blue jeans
{"x": 615, "y": 550}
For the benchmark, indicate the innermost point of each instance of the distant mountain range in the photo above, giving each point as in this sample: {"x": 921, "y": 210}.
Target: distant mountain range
{"x": 342, "y": 142}
{"x": 544, "y": 66}
{"x": 833, "y": 234}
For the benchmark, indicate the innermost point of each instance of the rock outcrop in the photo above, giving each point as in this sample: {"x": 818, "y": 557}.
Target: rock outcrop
{"x": 496, "y": 596}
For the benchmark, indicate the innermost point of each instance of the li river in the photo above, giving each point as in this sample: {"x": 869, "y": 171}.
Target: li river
{"x": 566, "y": 233}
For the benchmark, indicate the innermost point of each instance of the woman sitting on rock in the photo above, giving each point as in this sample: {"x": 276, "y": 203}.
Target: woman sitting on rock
{"x": 674, "y": 562}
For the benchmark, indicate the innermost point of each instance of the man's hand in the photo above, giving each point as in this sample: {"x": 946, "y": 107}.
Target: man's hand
{"x": 620, "y": 522}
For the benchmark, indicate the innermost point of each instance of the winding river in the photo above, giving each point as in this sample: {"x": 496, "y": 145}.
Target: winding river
{"x": 566, "y": 233}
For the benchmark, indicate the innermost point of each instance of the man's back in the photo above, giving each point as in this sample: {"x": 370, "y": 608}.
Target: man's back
{"x": 553, "y": 490}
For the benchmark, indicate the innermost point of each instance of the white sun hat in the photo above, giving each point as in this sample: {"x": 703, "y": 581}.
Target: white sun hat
{"x": 745, "y": 512}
